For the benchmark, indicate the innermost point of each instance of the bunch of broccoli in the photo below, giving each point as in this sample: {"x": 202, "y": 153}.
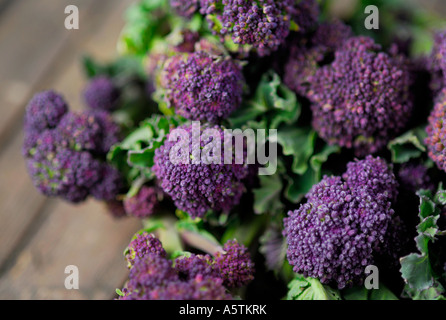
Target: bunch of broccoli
{"x": 361, "y": 150}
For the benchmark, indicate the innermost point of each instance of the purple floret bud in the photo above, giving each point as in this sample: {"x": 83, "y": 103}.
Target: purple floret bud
{"x": 262, "y": 24}
{"x": 306, "y": 58}
{"x": 436, "y": 132}
{"x": 234, "y": 265}
{"x": 362, "y": 99}
{"x": 185, "y": 8}
{"x": 109, "y": 184}
{"x": 336, "y": 234}
{"x": 202, "y": 86}
{"x": 143, "y": 204}
{"x": 101, "y": 94}
{"x": 374, "y": 173}
{"x": 44, "y": 111}
{"x": 141, "y": 245}
{"x": 197, "y": 185}
{"x": 436, "y": 62}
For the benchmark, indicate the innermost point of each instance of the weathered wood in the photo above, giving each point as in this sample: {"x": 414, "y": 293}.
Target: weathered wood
{"x": 23, "y": 224}
{"x": 19, "y": 201}
{"x": 84, "y": 236}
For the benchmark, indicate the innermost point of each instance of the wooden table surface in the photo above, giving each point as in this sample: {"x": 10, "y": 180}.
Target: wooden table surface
{"x": 39, "y": 236}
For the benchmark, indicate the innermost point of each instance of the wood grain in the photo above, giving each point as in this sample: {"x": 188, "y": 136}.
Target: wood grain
{"x": 39, "y": 236}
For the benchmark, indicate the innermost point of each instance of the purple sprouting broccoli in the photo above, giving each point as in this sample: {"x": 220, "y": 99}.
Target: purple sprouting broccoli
{"x": 375, "y": 174}
{"x": 436, "y": 132}
{"x": 141, "y": 245}
{"x": 65, "y": 157}
{"x": 110, "y": 184}
{"x": 101, "y": 94}
{"x": 196, "y": 184}
{"x": 232, "y": 264}
{"x": 306, "y": 14}
{"x": 154, "y": 277}
{"x": 306, "y": 57}
{"x": 44, "y": 111}
{"x": 143, "y": 204}
{"x": 188, "y": 267}
{"x": 362, "y": 99}
{"x": 185, "y": 8}
{"x": 202, "y": 86}
{"x": 436, "y": 62}
{"x": 414, "y": 176}
{"x": 337, "y": 233}
{"x": 262, "y": 24}
{"x": 59, "y": 171}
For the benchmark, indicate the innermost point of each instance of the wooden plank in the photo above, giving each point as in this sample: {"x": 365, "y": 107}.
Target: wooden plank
{"x": 84, "y": 236}
{"x": 33, "y": 34}
{"x": 68, "y": 79}
{"x": 19, "y": 201}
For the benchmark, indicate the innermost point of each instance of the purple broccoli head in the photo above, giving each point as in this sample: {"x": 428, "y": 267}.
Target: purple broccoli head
{"x": 141, "y": 245}
{"x": 199, "y": 187}
{"x": 101, "y": 94}
{"x": 262, "y": 24}
{"x": 436, "y": 62}
{"x": 201, "y": 86}
{"x": 143, "y": 204}
{"x": 234, "y": 265}
{"x": 436, "y": 132}
{"x": 44, "y": 111}
{"x": 362, "y": 99}
{"x": 374, "y": 173}
{"x": 67, "y": 158}
{"x": 185, "y": 8}
{"x": 335, "y": 235}
{"x": 58, "y": 171}
{"x": 306, "y": 58}
{"x": 306, "y": 14}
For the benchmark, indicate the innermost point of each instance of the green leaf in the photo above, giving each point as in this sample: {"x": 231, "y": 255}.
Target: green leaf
{"x": 273, "y": 104}
{"x": 408, "y": 146}
{"x": 417, "y": 271}
{"x": 297, "y": 186}
{"x": 320, "y": 158}
{"x": 119, "y": 292}
{"x": 361, "y": 293}
{"x": 267, "y": 197}
{"x": 299, "y": 143}
{"x": 301, "y": 288}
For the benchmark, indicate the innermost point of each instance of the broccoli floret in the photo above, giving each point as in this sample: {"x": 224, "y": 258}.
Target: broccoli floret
{"x": 153, "y": 276}
{"x": 141, "y": 245}
{"x": 202, "y": 86}
{"x": 142, "y": 204}
{"x": 101, "y": 94}
{"x": 337, "y": 233}
{"x": 67, "y": 158}
{"x": 307, "y": 56}
{"x": 362, "y": 99}
{"x": 185, "y": 8}
{"x": 197, "y": 188}
{"x": 436, "y": 132}
{"x": 44, "y": 111}
{"x": 262, "y": 24}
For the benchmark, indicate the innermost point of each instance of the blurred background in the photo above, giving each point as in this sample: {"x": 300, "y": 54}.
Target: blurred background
{"x": 40, "y": 236}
